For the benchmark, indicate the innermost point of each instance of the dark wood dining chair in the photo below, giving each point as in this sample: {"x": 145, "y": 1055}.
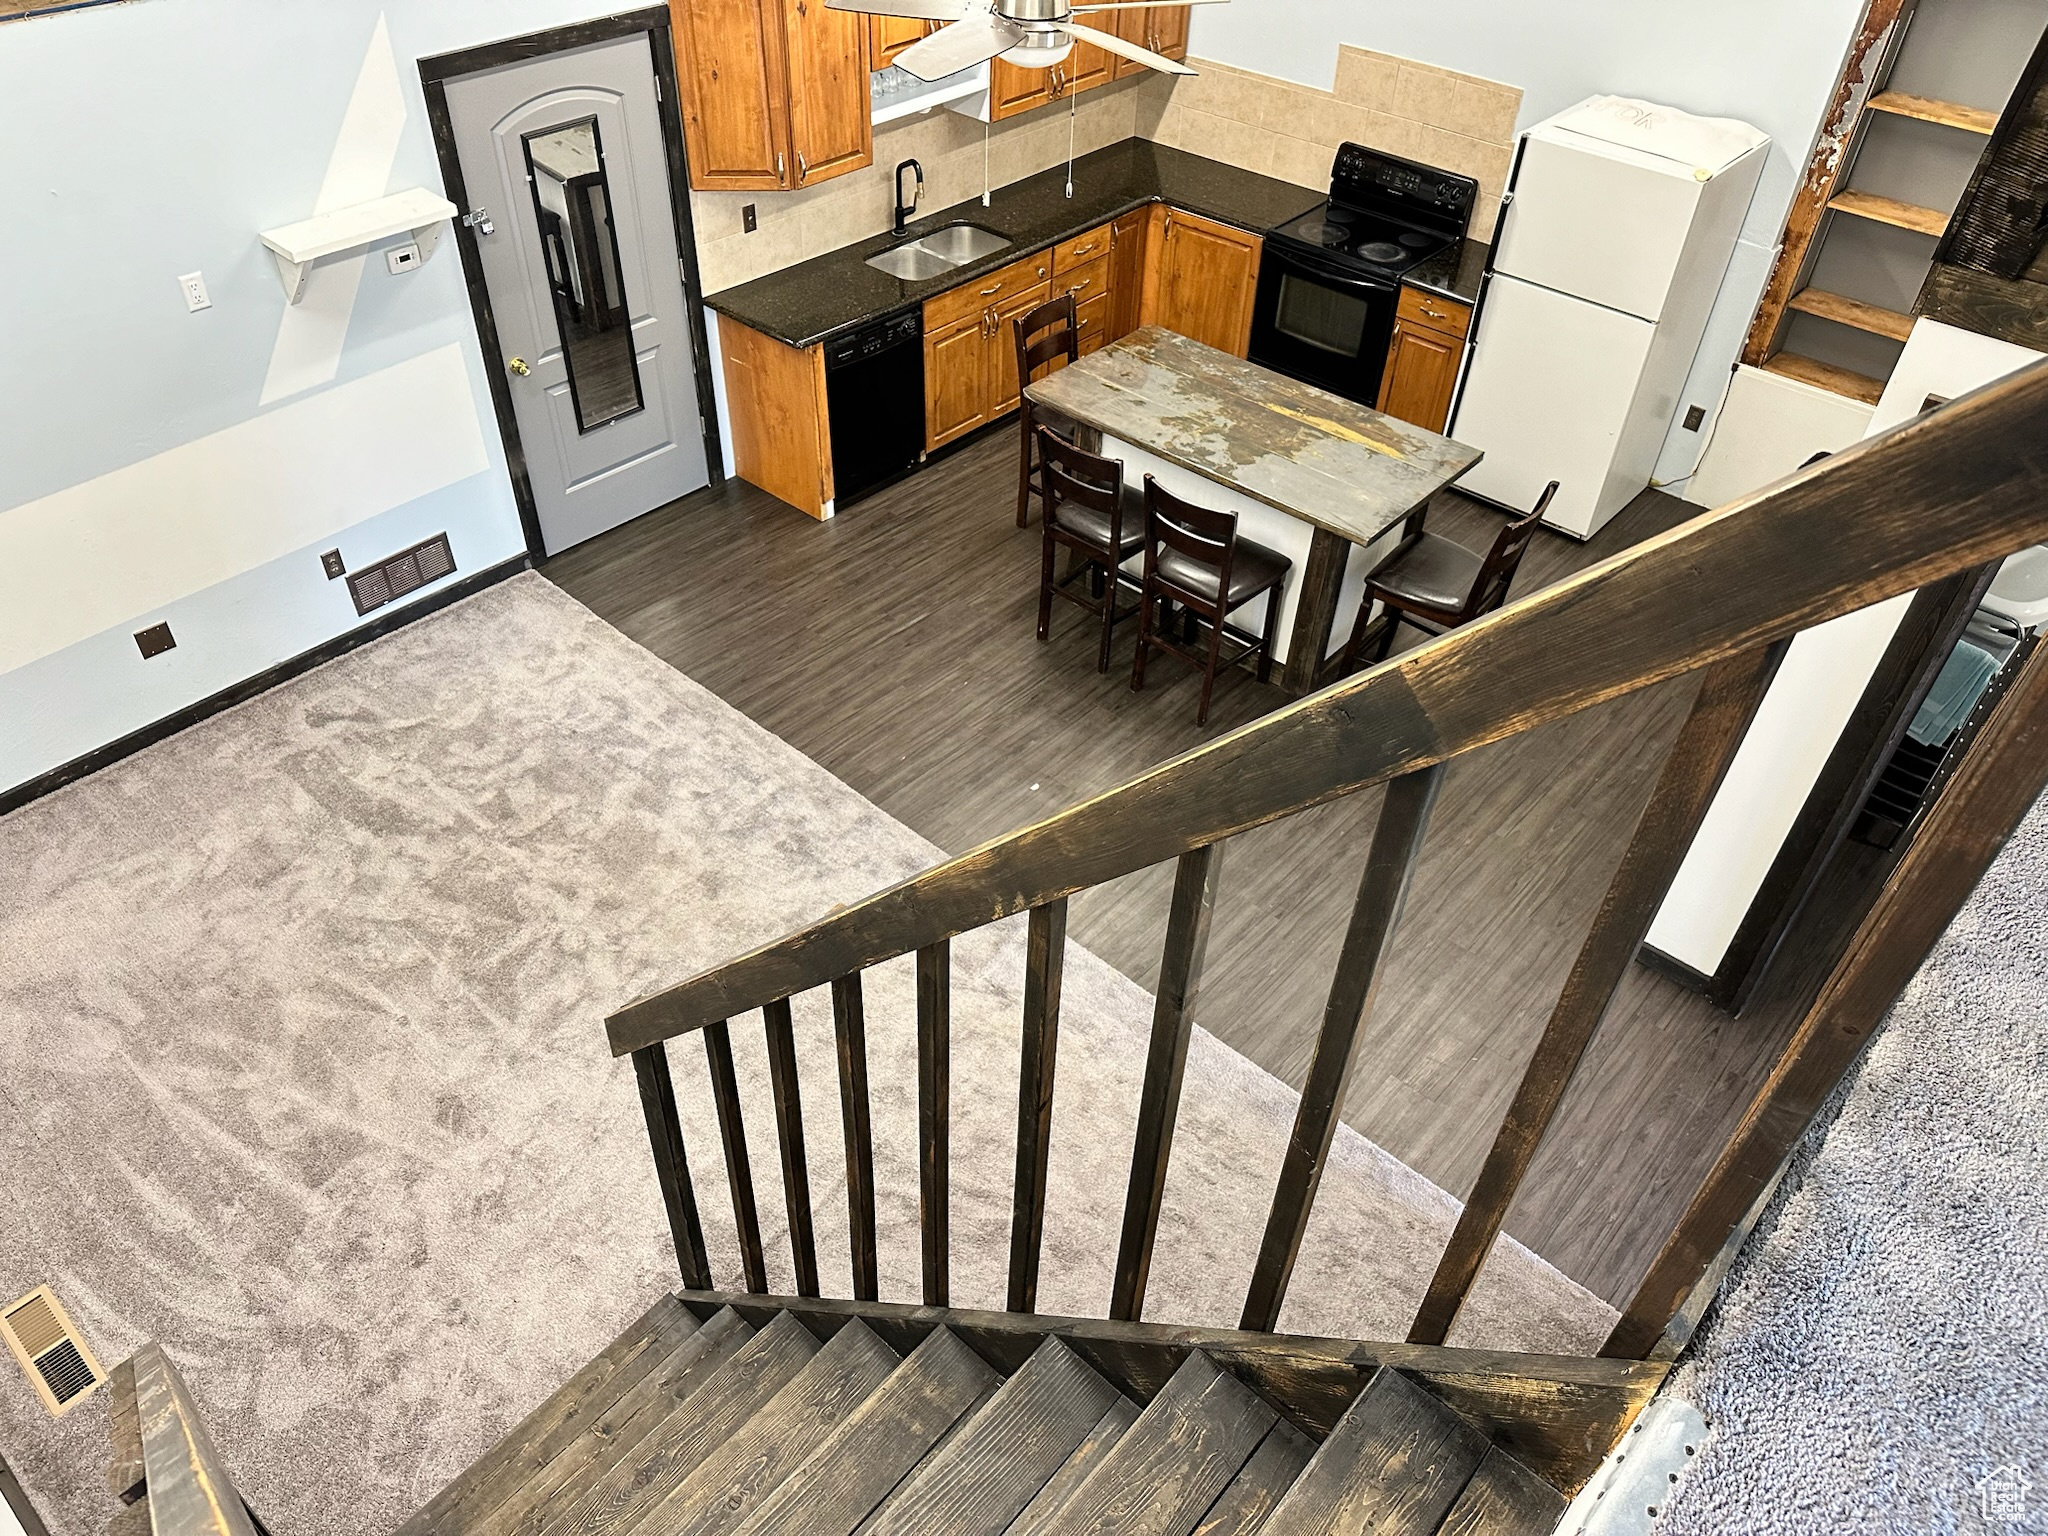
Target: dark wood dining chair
{"x": 1090, "y": 510}
{"x": 1042, "y": 335}
{"x": 1195, "y": 559}
{"x": 1436, "y": 584}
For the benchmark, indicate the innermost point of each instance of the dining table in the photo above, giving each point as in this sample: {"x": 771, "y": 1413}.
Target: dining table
{"x": 1308, "y": 472}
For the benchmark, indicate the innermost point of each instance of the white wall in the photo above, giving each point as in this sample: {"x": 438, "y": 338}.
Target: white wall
{"x": 161, "y": 465}
{"x": 1766, "y": 62}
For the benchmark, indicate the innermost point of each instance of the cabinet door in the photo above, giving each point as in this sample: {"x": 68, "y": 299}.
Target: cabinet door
{"x": 1169, "y": 33}
{"x": 1208, "y": 275}
{"x": 1127, "y": 272}
{"x": 1133, "y": 27}
{"x": 1422, "y": 369}
{"x": 1012, "y": 90}
{"x": 729, "y": 64}
{"x": 1085, "y": 68}
{"x": 890, "y": 35}
{"x": 831, "y": 125}
{"x": 955, "y": 382}
{"x": 1002, "y": 348}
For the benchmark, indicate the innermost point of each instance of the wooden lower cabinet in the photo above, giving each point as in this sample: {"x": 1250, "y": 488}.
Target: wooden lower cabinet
{"x": 955, "y": 380}
{"x": 970, "y": 356}
{"x": 1002, "y": 347}
{"x": 1201, "y": 278}
{"x": 1423, "y": 358}
{"x": 1128, "y": 240}
{"x": 781, "y": 431}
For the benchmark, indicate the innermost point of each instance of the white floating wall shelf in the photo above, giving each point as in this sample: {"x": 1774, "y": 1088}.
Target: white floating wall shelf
{"x": 297, "y": 246}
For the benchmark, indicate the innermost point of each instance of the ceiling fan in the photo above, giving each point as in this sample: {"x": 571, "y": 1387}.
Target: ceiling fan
{"x": 1032, "y": 33}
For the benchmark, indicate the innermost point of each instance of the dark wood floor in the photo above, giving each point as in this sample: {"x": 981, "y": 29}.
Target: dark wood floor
{"x": 895, "y": 646}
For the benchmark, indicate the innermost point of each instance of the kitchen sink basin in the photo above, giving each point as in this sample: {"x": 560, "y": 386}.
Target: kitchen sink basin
{"x": 940, "y": 251}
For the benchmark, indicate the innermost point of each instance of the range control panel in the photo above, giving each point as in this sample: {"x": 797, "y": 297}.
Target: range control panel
{"x": 1372, "y": 177}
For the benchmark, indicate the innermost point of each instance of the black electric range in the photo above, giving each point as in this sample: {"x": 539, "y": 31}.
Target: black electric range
{"x": 1329, "y": 281}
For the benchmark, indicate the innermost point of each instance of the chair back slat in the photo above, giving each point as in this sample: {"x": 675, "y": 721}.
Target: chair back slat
{"x": 739, "y": 1173}
{"x": 934, "y": 1113}
{"x": 1389, "y": 867}
{"x": 1073, "y": 474}
{"x": 789, "y": 1135}
{"x": 850, "y": 1030}
{"x": 1045, "y": 959}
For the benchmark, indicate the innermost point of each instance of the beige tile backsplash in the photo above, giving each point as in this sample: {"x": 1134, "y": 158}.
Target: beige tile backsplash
{"x": 1459, "y": 122}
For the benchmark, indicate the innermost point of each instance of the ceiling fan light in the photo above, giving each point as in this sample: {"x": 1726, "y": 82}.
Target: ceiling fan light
{"x": 1040, "y": 50}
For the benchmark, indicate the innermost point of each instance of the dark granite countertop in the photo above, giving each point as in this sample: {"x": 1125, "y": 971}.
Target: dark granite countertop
{"x": 1454, "y": 273}
{"x": 807, "y": 302}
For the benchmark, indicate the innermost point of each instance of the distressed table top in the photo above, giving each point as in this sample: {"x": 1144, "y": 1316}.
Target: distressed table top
{"x": 1317, "y": 456}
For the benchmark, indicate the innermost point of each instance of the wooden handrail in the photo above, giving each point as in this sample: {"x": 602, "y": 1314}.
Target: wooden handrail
{"x": 188, "y": 1491}
{"x": 1950, "y": 490}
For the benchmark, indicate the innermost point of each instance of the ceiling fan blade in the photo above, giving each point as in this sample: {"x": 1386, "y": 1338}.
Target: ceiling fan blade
{"x": 910, "y": 10}
{"x": 1114, "y": 44}
{"x": 960, "y": 46}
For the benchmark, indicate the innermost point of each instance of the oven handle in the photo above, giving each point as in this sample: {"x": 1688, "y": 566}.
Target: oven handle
{"x": 1331, "y": 272}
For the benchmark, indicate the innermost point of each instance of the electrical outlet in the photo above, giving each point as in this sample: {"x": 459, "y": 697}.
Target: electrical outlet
{"x": 1694, "y": 415}
{"x": 749, "y": 222}
{"x": 402, "y": 258}
{"x": 155, "y": 640}
{"x": 193, "y": 286}
{"x": 331, "y": 564}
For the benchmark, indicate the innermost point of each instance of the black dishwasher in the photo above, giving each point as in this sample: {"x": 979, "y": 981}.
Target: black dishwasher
{"x": 874, "y": 390}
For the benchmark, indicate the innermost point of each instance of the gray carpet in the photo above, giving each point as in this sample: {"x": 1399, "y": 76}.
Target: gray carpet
{"x": 1878, "y": 1354}
{"x": 304, "y": 1073}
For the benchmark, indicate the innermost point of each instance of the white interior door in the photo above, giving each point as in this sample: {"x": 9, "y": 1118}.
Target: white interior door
{"x": 566, "y": 155}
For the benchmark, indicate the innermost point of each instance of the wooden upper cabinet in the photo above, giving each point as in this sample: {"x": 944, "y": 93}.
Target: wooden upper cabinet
{"x": 890, "y": 35}
{"x": 774, "y": 92}
{"x": 1162, "y": 28}
{"x": 1085, "y": 68}
{"x": 729, "y": 60}
{"x": 831, "y": 117}
{"x": 1201, "y": 278}
{"x": 1013, "y": 89}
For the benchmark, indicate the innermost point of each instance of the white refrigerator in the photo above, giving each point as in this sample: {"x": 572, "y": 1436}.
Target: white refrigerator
{"x": 1618, "y": 229}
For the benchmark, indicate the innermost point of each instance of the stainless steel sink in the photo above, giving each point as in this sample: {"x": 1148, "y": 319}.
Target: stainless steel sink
{"x": 940, "y": 251}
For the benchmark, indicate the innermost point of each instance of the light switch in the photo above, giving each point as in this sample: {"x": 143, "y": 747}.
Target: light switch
{"x": 193, "y": 286}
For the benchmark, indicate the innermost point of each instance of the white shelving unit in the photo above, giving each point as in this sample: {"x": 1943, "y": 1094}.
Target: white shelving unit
{"x": 361, "y": 225}
{"x": 899, "y": 94}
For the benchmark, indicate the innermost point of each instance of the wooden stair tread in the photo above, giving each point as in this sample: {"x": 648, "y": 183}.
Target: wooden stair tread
{"x": 1951, "y": 114}
{"x": 1889, "y": 210}
{"x": 1260, "y": 1484}
{"x": 1840, "y": 381}
{"x": 1007, "y": 1452}
{"x": 730, "y": 1484}
{"x": 1395, "y": 1464}
{"x": 548, "y": 1429}
{"x": 1040, "y": 1517}
{"x": 1843, "y": 310}
{"x": 632, "y": 1483}
{"x": 867, "y": 1526}
{"x": 1505, "y": 1498}
{"x": 616, "y": 1432}
{"x": 875, "y": 1447}
{"x": 1164, "y": 1473}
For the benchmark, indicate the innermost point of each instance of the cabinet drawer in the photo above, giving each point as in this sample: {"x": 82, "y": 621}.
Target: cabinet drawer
{"x": 1069, "y": 254}
{"x": 1439, "y": 314}
{"x": 1091, "y": 321}
{"x": 987, "y": 292}
{"x": 1085, "y": 282}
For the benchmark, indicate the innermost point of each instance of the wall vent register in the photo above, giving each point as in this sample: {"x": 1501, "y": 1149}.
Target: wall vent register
{"x": 50, "y": 1350}
{"x": 396, "y": 575}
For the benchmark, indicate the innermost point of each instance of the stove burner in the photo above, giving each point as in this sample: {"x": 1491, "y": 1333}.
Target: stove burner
{"x": 1325, "y": 233}
{"x": 1380, "y": 250}
{"x": 1415, "y": 239}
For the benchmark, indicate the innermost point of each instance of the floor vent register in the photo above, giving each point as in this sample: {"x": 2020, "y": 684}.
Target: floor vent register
{"x": 407, "y": 571}
{"x": 52, "y": 1352}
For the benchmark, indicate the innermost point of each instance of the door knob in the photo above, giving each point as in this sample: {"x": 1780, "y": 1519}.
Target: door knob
{"x": 518, "y": 366}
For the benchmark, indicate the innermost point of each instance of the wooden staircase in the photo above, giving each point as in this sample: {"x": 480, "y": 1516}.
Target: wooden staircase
{"x": 713, "y": 1426}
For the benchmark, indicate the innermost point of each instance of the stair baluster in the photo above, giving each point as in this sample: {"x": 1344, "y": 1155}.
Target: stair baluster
{"x": 672, "y": 1163}
{"x": 1045, "y": 959}
{"x": 739, "y": 1173}
{"x": 934, "y": 1112}
{"x": 1173, "y": 1012}
{"x": 1728, "y": 697}
{"x": 849, "y": 1026}
{"x": 789, "y": 1135}
{"x": 1389, "y": 868}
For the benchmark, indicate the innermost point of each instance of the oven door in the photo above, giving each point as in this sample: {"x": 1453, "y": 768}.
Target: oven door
{"x": 1320, "y": 323}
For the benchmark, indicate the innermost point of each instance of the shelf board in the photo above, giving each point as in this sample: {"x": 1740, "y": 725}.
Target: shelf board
{"x": 1839, "y": 381}
{"x": 295, "y": 247}
{"x": 1889, "y": 210}
{"x": 1950, "y": 114}
{"x": 1844, "y": 310}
